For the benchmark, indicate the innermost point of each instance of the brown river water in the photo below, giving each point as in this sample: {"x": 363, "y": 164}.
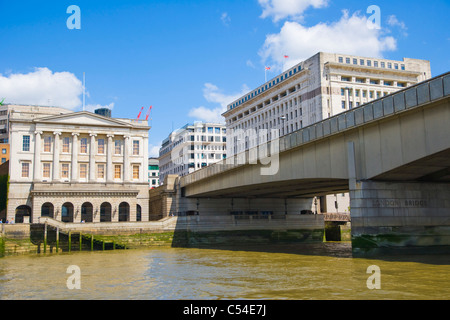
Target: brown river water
{"x": 288, "y": 272}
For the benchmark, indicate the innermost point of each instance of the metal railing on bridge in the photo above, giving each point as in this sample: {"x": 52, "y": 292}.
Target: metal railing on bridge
{"x": 409, "y": 98}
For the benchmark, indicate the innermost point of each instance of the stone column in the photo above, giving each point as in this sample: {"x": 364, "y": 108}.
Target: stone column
{"x": 347, "y": 98}
{"x": 109, "y": 153}
{"x": 144, "y": 171}
{"x": 56, "y": 175}
{"x": 74, "y": 175}
{"x": 126, "y": 160}
{"x": 92, "y": 158}
{"x": 37, "y": 156}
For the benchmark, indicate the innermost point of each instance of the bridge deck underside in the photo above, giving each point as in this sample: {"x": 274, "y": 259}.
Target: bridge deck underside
{"x": 282, "y": 189}
{"x": 434, "y": 168}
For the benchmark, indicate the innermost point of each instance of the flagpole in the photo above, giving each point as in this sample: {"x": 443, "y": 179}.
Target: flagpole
{"x": 84, "y": 91}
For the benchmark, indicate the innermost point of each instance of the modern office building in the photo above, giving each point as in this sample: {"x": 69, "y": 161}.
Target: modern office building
{"x": 153, "y": 172}
{"x": 315, "y": 89}
{"x": 192, "y": 147}
{"x": 77, "y": 166}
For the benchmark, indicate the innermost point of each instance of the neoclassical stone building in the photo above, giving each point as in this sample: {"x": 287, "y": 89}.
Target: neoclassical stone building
{"x": 78, "y": 167}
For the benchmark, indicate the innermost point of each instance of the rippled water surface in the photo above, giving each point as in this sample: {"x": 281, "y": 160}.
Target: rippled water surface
{"x": 322, "y": 271}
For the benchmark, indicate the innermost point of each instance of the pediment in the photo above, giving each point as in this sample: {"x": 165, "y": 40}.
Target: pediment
{"x": 83, "y": 118}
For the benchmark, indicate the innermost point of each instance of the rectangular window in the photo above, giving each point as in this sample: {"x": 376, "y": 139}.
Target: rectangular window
{"x": 135, "y": 147}
{"x": 369, "y": 63}
{"x": 66, "y": 142}
{"x": 347, "y": 60}
{"x": 383, "y": 65}
{"x": 355, "y": 61}
{"x": 26, "y": 143}
{"x": 83, "y": 145}
{"x": 403, "y": 67}
{"x": 341, "y": 60}
{"x": 46, "y": 170}
{"x": 375, "y": 64}
{"x": 136, "y": 172}
{"x": 117, "y": 171}
{"x": 343, "y": 104}
{"x": 117, "y": 147}
{"x": 101, "y": 146}
{"x": 3, "y": 151}
{"x": 47, "y": 144}
{"x": 65, "y": 170}
{"x": 361, "y": 62}
{"x": 101, "y": 171}
{"x": 83, "y": 171}
{"x": 25, "y": 169}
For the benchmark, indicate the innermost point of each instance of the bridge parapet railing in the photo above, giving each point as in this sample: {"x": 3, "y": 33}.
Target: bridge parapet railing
{"x": 412, "y": 97}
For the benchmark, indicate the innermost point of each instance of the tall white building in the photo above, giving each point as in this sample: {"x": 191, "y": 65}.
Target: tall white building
{"x": 315, "y": 89}
{"x": 153, "y": 173}
{"x": 191, "y": 148}
{"x": 77, "y": 166}
{"x": 318, "y": 88}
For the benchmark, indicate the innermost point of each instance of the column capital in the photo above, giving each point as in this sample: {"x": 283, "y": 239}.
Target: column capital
{"x": 92, "y": 134}
{"x": 38, "y": 132}
{"x": 75, "y": 134}
{"x": 110, "y": 135}
{"x": 57, "y": 133}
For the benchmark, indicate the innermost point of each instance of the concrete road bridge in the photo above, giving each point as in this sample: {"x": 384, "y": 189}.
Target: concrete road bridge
{"x": 392, "y": 155}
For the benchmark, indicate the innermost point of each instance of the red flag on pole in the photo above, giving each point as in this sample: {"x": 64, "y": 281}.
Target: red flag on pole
{"x": 139, "y": 115}
{"x": 286, "y": 56}
{"x": 267, "y": 68}
{"x": 148, "y": 113}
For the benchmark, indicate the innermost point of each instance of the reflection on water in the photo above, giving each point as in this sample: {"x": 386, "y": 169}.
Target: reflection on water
{"x": 320, "y": 271}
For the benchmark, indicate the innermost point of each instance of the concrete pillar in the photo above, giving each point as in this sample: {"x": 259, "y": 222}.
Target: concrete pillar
{"x": 56, "y": 175}
{"x": 37, "y": 156}
{"x": 400, "y": 216}
{"x": 74, "y": 176}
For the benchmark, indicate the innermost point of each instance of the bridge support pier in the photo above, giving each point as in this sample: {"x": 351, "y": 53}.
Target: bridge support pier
{"x": 400, "y": 217}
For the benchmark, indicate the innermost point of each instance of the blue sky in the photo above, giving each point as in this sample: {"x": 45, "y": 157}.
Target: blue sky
{"x": 188, "y": 59}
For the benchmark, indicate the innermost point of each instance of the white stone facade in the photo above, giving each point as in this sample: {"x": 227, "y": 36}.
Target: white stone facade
{"x": 313, "y": 90}
{"x": 191, "y": 148}
{"x": 78, "y": 167}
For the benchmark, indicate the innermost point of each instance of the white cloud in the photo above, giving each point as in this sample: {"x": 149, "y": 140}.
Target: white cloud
{"x": 225, "y": 19}
{"x": 214, "y": 95}
{"x": 42, "y": 87}
{"x": 349, "y": 35}
{"x": 394, "y": 22}
{"x": 153, "y": 151}
{"x": 293, "y": 9}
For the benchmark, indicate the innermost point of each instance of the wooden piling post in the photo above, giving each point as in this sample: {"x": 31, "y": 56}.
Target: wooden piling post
{"x": 70, "y": 241}
{"x": 57, "y": 239}
{"x": 45, "y": 237}
{"x": 92, "y": 242}
{"x": 81, "y": 241}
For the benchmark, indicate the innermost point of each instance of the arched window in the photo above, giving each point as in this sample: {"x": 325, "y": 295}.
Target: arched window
{"x": 124, "y": 212}
{"x": 47, "y": 210}
{"x": 67, "y": 212}
{"x": 105, "y": 212}
{"x": 87, "y": 212}
{"x": 138, "y": 213}
{"x": 22, "y": 211}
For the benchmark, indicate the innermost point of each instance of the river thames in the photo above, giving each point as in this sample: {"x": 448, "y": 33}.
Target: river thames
{"x": 289, "y": 272}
